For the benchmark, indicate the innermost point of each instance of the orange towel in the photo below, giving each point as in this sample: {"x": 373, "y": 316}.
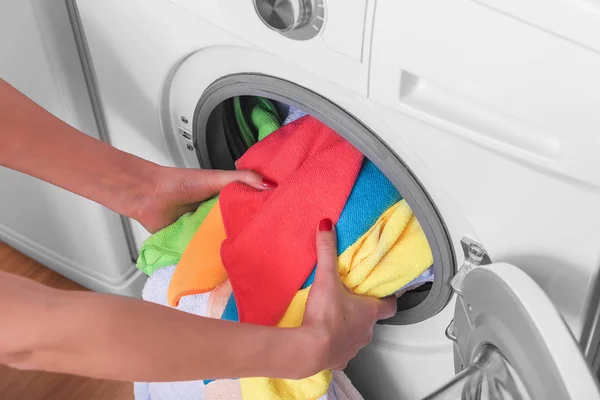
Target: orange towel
{"x": 200, "y": 269}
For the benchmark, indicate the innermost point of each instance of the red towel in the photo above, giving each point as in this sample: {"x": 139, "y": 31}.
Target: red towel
{"x": 270, "y": 247}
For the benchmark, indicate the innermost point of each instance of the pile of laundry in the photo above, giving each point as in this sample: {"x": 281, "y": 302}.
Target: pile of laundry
{"x": 249, "y": 255}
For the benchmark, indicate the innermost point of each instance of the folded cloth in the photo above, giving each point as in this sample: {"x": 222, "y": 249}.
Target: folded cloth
{"x": 200, "y": 269}
{"x": 387, "y": 257}
{"x": 304, "y": 159}
{"x": 293, "y": 114}
{"x": 166, "y": 246}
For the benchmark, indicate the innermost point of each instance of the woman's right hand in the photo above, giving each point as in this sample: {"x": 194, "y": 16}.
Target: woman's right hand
{"x": 341, "y": 321}
{"x": 48, "y": 329}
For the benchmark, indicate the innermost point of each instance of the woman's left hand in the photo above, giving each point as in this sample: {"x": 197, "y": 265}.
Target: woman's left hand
{"x": 38, "y": 144}
{"x": 176, "y": 191}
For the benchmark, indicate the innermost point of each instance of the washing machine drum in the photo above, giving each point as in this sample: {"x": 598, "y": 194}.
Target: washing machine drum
{"x": 226, "y": 127}
{"x": 232, "y": 130}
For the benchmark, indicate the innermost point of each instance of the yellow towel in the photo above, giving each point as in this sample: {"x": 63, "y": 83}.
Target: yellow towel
{"x": 393, "y": 253}
{"x": 388, "y": 256}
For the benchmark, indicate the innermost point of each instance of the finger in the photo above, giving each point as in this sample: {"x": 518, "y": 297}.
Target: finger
{"x": 255, "y": 180}
{"x": 247, "y": 177}
{"x": 327, "y": 263}
{"x": 388, "y": 307}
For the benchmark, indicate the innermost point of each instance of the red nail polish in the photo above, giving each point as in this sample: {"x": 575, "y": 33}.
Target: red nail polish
{"x": 325, "y": 225}
{"x": 269, "y": 183}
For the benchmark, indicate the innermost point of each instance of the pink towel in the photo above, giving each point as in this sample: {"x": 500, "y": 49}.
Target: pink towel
{"x": 270, "y": 247}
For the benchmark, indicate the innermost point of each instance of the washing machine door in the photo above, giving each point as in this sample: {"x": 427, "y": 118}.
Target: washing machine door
{"x": 511, "y": 343}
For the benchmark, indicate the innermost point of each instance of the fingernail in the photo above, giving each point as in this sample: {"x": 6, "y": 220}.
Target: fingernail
{"x": 269, "y": 184}
{"x": 325, "y": 225}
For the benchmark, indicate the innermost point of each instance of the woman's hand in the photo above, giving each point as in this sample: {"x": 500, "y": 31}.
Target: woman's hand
{"x": 175, "y": 191}
{"x": 48, "y": 329}
{"x": 341, "y": 321}
{"x": 38, "y": 144}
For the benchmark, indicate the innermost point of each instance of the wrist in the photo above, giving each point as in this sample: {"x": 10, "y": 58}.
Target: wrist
{"x": 299, "y": 355}
{"x": 132, "y": 187}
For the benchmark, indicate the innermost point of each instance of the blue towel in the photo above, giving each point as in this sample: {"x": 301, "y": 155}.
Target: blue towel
{"x": 230, "y": 313}
{"x": 371, "y": 195}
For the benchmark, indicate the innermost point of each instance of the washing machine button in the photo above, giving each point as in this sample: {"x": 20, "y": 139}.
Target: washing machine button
{"x": 295, "y": 19}
{"x": 284, "y": 15}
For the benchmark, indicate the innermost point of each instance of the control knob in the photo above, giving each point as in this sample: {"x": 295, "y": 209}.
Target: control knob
{"x": 284, "y": 15}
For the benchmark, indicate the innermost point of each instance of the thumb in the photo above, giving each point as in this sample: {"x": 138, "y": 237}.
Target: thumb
{"x": 327, "y": 263}
{"x": 247, "y": 177}
{"x": 388, "y": 307}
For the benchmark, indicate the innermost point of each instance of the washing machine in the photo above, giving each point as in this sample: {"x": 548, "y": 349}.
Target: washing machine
{"x": 484, "y": 114}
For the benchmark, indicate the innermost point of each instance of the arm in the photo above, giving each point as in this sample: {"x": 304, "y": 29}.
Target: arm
{"x": 115, "y": 337}
{"x": 36, "y": 143}
{"x": 119, "y": 338}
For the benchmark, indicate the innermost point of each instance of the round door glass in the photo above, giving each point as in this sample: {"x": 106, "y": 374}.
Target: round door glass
{"x": 225, "y": 109}
{"x": 490, "y": 377}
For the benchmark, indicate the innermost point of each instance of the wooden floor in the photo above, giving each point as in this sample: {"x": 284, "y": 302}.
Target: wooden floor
{"x": 18, "y": 385}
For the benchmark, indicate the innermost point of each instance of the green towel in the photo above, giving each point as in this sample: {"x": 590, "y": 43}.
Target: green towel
{"x": 166, "y": 246}
{"x": 256, "y": 117}
{"x": 265, "y": 121}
